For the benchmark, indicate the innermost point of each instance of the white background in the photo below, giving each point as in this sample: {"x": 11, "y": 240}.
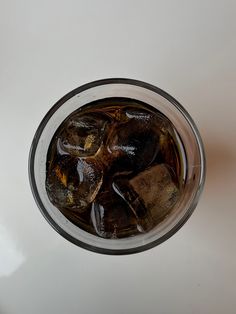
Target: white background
{"x": 187, "y": 48}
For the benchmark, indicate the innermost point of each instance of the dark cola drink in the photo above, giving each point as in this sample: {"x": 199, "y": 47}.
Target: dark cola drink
{"x": 114, "y": 168}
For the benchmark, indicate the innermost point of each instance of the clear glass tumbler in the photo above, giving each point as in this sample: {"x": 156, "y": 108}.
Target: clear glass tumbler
{"x": 194, "y": 163}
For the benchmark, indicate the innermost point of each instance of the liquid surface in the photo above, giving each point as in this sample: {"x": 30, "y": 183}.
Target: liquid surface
{"x": 114, "y": 168}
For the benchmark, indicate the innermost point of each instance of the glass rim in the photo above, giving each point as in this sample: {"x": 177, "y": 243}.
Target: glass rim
{"x": 43, "y": 123}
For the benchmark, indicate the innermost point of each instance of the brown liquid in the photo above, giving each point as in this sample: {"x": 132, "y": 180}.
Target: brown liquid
{"x": 114, "y": 168}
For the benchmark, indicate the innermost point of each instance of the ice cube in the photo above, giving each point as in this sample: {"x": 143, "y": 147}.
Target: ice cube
{"x": 111, "y": 216}
{"x": 144, "y": 220}
{"x": 157, "y": 190}
{"x": 134, "y": 144}
{"x": 73, "y": 183}
{"x": 82, "y": 135}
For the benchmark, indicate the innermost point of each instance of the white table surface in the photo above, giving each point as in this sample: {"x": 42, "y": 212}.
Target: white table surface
{"x": 187, "y": 48}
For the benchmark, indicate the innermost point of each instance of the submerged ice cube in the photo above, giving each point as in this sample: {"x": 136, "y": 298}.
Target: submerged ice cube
{"x": 135, "y": 142}
{"x": 74, "y": 183}
{"x": 157, "y": 190}
{"x": 83, "y": 134}
{"x": 111, "y": 216}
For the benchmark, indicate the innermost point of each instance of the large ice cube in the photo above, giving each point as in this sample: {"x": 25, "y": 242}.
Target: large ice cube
{"x": 136, "y": 206}
{"x": 157, "y": 190}
{"x": 135, "y": 142}
{"x": 111, "y": 216}
{"x": 73, "y": 183}
{"x": 82, "y": 135}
